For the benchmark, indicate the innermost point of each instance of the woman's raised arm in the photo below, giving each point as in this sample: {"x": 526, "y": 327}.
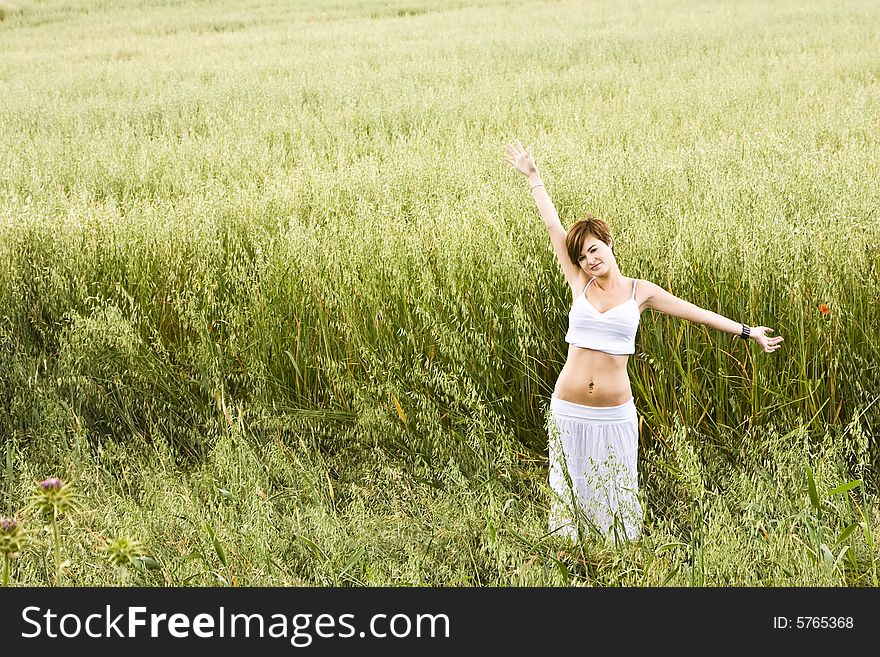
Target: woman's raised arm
{"x": 662, "y": 301}
{"x": 521, "y": 159}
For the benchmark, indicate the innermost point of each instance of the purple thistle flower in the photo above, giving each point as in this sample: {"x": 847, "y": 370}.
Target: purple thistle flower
{"x": 12, "y": 540}
{"x": 54, "y": 497}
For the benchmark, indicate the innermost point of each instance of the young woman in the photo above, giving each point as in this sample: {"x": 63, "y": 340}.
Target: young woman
{"x": 593, "y": 424}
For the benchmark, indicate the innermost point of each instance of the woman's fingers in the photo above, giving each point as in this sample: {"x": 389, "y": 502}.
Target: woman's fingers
{"x": 773, "y": 344}
{"x": 764, "y": 330}
{"x": 517, "y": 150}
{"x": 767, "y": 343}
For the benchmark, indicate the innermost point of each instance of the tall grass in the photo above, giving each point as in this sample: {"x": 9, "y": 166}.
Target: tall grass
{"x": 273, "y": 250}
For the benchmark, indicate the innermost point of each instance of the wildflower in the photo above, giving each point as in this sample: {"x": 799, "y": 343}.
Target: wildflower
{"x": 124, "y": 550}
{"x": 823, "y": 308}
{"x": 54, "y": 497}
{"x": 11, "y": 537}
{"x": 12, "y": 540}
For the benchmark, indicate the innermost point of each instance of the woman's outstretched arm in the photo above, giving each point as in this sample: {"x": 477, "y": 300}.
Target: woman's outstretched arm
{"x": 662, "y": 301}
{"x": 521, "y": 159}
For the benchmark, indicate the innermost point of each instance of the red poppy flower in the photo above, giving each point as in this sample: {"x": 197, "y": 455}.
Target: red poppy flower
{"x": 823, "y": 308}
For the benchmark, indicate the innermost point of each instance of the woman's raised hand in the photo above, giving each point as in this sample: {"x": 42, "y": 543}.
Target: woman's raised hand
{"x": 521, "y": 158}
{"x": 768, "y": 344}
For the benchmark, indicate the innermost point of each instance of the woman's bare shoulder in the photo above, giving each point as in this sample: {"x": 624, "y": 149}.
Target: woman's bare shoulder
{"x": 645, "y": 290}
{"x": 579, "y": 284}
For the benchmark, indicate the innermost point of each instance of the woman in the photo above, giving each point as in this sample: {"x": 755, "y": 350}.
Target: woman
{"x": 593, "y": 424}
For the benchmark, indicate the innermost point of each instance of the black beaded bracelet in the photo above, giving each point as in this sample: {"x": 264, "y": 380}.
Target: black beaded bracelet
{"x": 746, "y": 332}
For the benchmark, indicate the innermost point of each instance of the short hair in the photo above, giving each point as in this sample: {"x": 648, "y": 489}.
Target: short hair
{"x": 583, "y": 228}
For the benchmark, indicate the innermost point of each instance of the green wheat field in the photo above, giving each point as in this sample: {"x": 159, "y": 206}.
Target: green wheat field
{"x": 276, "y": 312}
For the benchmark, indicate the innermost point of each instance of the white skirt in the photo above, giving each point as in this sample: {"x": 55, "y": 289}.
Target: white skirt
{"x": 593, "y": 469}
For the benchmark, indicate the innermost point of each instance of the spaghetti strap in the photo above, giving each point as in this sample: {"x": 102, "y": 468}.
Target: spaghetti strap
{"x": 588, "y": 285}
{"x": 634, "y": 288}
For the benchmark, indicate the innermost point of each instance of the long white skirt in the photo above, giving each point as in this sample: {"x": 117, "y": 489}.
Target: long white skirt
{"x": 593, "y": 469}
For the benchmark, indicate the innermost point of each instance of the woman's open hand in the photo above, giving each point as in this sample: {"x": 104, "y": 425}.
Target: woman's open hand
{"x": 768, "y": 344}
{"x": 521, "y": 158}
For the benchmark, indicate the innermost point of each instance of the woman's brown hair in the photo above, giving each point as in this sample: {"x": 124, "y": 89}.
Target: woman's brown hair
{"x": 583, "y": 228}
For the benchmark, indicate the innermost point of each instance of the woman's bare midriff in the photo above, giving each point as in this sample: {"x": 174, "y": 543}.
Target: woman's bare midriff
{"x": 593, "y": 378}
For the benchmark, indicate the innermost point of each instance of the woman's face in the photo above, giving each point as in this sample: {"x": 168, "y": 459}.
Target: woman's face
{"x": 596, "y": 257}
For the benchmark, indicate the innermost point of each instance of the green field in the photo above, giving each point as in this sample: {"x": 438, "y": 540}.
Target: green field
{"x": 278, "y": 311}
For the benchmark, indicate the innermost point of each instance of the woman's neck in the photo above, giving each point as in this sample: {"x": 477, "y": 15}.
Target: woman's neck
{"x": 610, "y": 281}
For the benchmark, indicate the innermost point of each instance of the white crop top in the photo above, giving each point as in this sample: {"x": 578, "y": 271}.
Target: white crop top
{"x": 613, "y": 331}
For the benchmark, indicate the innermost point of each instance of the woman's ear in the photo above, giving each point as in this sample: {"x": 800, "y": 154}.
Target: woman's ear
{"x": 611, "y": 243}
